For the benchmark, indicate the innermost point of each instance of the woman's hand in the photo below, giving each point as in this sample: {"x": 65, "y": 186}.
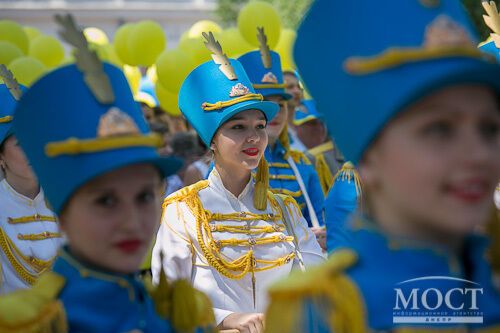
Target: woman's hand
{"x": 244, "y": 322}
{"x": 320, "y": 234}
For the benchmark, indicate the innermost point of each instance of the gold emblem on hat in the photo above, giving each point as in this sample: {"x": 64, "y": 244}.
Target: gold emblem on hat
{"x": 115, "y": 123}
{"x": 443, "y": 31}
{"x": 269, "y": 78}
{"x": 239, "y": 90}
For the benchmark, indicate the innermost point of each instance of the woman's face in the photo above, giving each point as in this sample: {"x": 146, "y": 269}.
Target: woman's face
{"x": 276, "y": 125}
{"x": 240, "y": 142}
{"x": 110, "y": 221}
{"x": 292, "y": 87}
{"x": 14, "y": 162}
{"x": 434, "y": 169}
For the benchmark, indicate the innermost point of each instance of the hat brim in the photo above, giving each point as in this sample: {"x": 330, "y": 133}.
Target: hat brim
{"x": 165, "y": 165}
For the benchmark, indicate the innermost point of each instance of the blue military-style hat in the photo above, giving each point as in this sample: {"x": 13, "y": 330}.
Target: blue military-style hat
{"x": 81, "y": 121}
{"x": 492, "y": 20}
{"x": 10, "y": 93}
{"x": 388, "y": 59}
{"x": 306, "y": 112}
{"x": 264, "y": 69}
{"x": 217, "y": 90}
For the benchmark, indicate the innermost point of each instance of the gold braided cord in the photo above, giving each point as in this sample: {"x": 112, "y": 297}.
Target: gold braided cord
{"x": 31, "y": 218}
{"x": 283, "y": 177}
{"x": 322, "y": 148}
{"x": 279, "y": 165}
{"x": 6, "y": 119}
{"x": 243, "y": 216}
{"x": 247, "y": 230}
{"x": 287, "y": 192}
{"x": 74, "y": 146}
{"x": 38, "y": 265}
{"x": 253, "y": 241}
{"x": 394, "y": 57}
{"x": 50, "y": 319}
{"x": 232, "y": 269}
{"x": 324, "y": 174}
{"x": 40, "y": 236}
{"x": 206, "y": 106}
{"x": 268, "y": 85}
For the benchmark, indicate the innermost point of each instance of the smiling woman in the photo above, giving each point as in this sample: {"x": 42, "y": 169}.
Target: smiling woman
{"x": 229, "y": 234}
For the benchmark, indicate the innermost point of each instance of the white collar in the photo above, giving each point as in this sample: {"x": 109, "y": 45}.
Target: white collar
{"x": 215, "y": 182}
{"x": 20, "y": 197}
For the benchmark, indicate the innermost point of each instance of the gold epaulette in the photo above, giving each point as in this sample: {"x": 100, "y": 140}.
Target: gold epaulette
{"x": 35, "y": 310}
{"x": 349, "y": 173}
{"x": 344, "y": 312}
{"x": 299, "y": 157}
{"x": 185, "y": 192}
{"x": 185, "y": 307}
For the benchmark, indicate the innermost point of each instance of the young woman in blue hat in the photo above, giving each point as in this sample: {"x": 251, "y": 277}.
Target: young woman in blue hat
{"x": 290, "y": 171}
{"x": 229, "y": 234}
{"x": 104, "y": 179}
{"x": 29, "y": 232}
{"x": 416, "y": 107}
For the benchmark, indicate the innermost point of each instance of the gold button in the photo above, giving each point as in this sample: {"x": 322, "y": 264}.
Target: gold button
{"x": 37, "y": 217}
{"x": 213, "y": 228}
{"x": 243, "y": 214}
{"x": 10, "y": 219}
{"x": 287, "y": 260}
{"x": 252, "y": 241}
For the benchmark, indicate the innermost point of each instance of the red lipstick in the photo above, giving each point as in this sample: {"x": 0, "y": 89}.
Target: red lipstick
{"x": 251, "y": 151}
{"x": 129, "y": 245}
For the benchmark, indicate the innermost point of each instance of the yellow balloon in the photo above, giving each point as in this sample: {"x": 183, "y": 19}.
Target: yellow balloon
{"x": 121, "y": 43}
{"x": 196, "y": 48}
{"x": 133, "y": 75}
{"x": 96, "y": 36}
{"x": 169, "y": 102}
{"x": 27, "y": 69}
{"x": 48, "y": 50}
{"x": 203, "y": 26}
{"x": 172, "y": 67}
{"x": 11, "y": 31}
{"x": 32, "y": 32}
{"x": 184, "y": 35}
{"x": 146, "y": 42}
{"x": 285, "y": 49}
{"x": 259, "y": 14}
{"x": 9, "y": 52}
{"x": 233, "y": 43}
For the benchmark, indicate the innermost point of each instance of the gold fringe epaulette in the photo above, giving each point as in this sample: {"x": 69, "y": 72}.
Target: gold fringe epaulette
{"x": 349, "y": 173}
{"x": 325, "y": 176}
{"x": 345, "y": 311}
{"x": 35, "y": 310}
{"x": 185, "y": 192}
{"x": 187, "y": 308}
{"x": 299, "y": 157}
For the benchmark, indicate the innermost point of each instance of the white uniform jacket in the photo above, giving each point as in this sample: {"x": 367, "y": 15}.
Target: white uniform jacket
{"x": 226, "y": 247}
{"x": 29, "y": 238}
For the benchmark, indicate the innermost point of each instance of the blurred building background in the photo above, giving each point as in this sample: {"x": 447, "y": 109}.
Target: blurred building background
{"x": 176, "y": 16}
